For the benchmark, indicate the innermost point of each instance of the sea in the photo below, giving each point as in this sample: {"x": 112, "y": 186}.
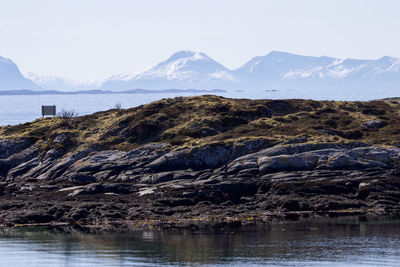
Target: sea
{"x": 348, "y": 241}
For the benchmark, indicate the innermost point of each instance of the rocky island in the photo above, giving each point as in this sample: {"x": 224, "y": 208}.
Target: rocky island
{"x": 204, "y": 161}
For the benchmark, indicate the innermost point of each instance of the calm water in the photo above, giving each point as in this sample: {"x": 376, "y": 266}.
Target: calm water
{"x": 333, "y": 242}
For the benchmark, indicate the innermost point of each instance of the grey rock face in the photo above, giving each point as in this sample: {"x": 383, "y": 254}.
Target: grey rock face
{"x": 16, "y": 159}
{"x": 59, "y": 167}
{"x": 153, "y": 164}
{"x": 210, "y": 156}
{"x": 296, "y": 158}
{"x": 373, "y": 124}
{"x": 63, "y": 139}
{"x": 152, "y": 181}
{"x": 9, "y": 147}
{"x": 22, "y": 169}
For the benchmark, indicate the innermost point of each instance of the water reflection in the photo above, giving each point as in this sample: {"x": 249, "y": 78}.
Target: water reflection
{"x": 345, "y": 241}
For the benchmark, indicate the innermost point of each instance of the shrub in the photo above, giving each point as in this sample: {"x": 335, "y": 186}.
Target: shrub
{"x": 66, "y": 116}
{"x": 118, "y": 106}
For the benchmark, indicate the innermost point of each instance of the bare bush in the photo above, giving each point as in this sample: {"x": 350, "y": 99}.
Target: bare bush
{"x": 118, "y": 106}
{"x": 67, "y": 115}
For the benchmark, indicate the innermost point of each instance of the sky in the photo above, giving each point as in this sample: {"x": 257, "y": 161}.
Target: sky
{"x": 94, "y": 39}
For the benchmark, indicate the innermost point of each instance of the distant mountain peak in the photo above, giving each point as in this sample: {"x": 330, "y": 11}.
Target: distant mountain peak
{"x": 187, "y": 54}
{"x": 11, "y": 77}
{"x": 280, "y": 53}
{"x": 389, "y": 59}
{"x": 277, "y": 69}
{"x": 184, "y": 69}
{"x": 5, "y": 60}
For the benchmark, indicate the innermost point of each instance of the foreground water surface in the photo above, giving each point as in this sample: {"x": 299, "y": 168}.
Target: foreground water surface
{"x": 350, "y": 241}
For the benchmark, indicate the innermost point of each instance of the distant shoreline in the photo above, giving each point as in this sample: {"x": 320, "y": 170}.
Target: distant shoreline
{"x": 101, "y": 92}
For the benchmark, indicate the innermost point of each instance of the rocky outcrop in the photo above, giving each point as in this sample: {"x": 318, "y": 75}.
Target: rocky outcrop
{"x": 373, "y": 124}
{"x": 10, "y": 147}
{"x": 21, "y": 157}
{"x": 205, "y": 157}
{"x": 255, "y": 179}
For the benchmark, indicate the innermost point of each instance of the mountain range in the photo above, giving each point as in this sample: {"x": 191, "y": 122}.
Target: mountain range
{"x": 195, "y": 70}
{"x": 63, "y": 84}
{"x": 12, "y": 79}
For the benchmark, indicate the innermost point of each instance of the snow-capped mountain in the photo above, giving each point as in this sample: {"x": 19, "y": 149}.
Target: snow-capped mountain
{"x": 284, "y": 70}
{"x": 12, "y": 79}
{"x": 276, "y": 70}
{"x": 62, "y": 84}
{"x": 275, "y": 75}
{"x": 183, "y": 70}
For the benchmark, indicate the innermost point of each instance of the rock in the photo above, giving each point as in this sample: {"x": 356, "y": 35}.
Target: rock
{"x": 72, "y": 188}
{"x": 111, "y": 194}
{"x": 362, "y": 158}
{"x": 17, "y": 159}
{"x": 117, "y": 188}
{"x": 373, "y": 124}
{"x": 366, "y": 188}
{"x": 284, "y": 162}
{"x": 103, "y": 175}
{"x": 54, "y": 153}
{"x": 363, "y": 184}
{"x": 96, "y": 188}
{"x": 82, "y": 178}
{"x": 175, "y": 202}
{"x": 290, "y": 204}
{"x": 205, "y": 157}
{"x": 239, "y": 165}
{"x": 288, "y": 158}
{"x": 63, "y": 139}
{"x": 158, "y": 178}
{"x": 59, "y": 167}
{"x": 36, "y": 169}
{"x": 80, "y": 166}
{"x": 162, "y": 177}
{"x": 36, "y": 216}
{"x": 147, "y": 191}
{"x": 89, "y": 189}
{"x": 9, "y": 147}
{"x": 219, "y": 181}
{"x": 235, "y": 190}
{"x": 297, "y": 149}
{"x": 49, "y": 187}
{"x": 246, "y": 199}
{"x": 78, "y": 213}
{"x": 174, "y": 160}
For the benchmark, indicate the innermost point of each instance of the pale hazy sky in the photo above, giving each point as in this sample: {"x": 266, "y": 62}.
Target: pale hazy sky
{"x": 92, "y": 39}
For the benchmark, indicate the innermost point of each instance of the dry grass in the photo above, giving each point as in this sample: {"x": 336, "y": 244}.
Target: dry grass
{"x": 196, "y": 121}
